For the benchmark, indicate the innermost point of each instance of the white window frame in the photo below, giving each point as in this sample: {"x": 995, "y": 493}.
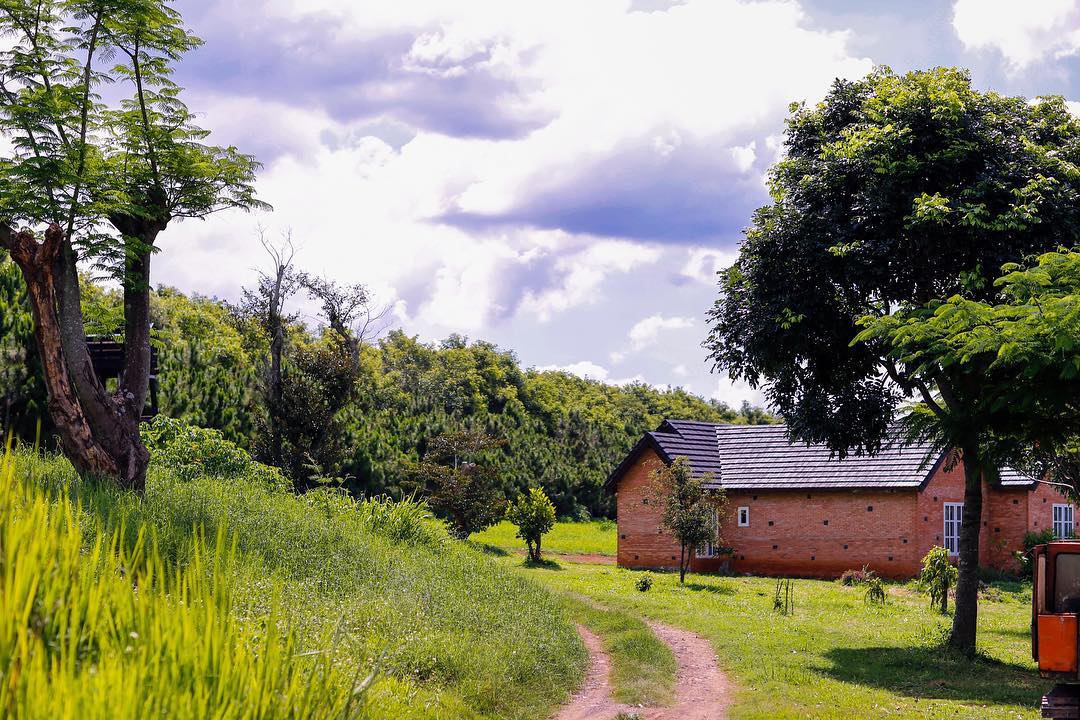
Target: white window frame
{"x": 742, "y": 516}
{"x": 1063, "y": 520}
{"x": 711, "y": 549}
{"x": 953, "y": 516}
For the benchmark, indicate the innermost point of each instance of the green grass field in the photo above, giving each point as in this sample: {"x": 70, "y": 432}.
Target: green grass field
{"x": 596, "y": 537}
{"x": 346, "y": 589}
{"x": 835, "y": 657}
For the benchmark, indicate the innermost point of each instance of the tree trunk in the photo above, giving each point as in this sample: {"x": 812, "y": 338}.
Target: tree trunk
{"x": 682, "y": 564}
{"x": 965, "y": 619}
{"x": 38, "y": 264}
{"x": 945, "y": 596}
{"x": 98, "y": 432}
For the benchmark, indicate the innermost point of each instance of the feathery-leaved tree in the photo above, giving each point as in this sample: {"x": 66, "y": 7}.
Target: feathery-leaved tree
{"x": 103, "y": 156}
{"x": 895, "y": 192}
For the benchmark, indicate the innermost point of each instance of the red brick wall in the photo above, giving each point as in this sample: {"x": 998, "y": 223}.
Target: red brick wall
{"x": 823, "y": 533}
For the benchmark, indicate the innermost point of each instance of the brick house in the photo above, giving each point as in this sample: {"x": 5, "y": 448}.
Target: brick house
{"x": 795, "y": 510}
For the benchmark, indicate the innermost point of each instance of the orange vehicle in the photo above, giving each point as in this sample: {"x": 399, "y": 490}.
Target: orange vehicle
{"x": 1055, "y": 607}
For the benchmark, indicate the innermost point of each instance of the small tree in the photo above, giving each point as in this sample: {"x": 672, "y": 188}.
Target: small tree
{"x": 460, "y": 487}
{"x": 938, "y": 575}
{"x": 534, "y": 515}
{"x": 689, "y": 509}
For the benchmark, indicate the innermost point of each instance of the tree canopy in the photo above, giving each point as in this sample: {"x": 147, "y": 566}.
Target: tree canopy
{"x": 894, "y": 192}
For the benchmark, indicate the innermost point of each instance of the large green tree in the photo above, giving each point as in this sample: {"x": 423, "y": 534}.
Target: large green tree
{"x": 96, "y": 181}
{"x": 1024, "y": 344}
{"x": 895, "y": 191}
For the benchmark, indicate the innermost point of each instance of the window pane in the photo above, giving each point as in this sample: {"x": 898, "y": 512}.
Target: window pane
{"x": 1067, "y": 584}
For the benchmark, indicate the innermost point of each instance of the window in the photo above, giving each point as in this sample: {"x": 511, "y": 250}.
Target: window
{"x": 1063, "y": 521}
{"x": 711, "y": 548}
{"x": 954, "y": 514}
{"x": 744, "y": 517}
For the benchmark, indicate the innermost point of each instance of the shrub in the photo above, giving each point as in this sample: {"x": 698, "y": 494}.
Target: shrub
{"x": 875, "y": 591}
{"x": 938, "y": 574}
{"x": 644, "y": 583}
{"x": 857, "y": 577}
{"x": 461, "y": 488}
{"x": 1031, "y": 539}
{"x": 192, "y": 452}
{"x": 534, "y": 515}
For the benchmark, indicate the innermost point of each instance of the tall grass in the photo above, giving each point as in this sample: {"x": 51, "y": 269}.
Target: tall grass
{"x": 452, "y": 633}
{"x": 92, "y": 627}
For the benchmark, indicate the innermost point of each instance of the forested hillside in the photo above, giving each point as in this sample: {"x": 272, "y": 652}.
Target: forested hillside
{"x": 561, "y": 432}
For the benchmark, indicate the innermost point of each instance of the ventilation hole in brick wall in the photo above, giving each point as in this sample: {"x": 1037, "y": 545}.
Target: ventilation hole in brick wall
{"x": 775, "y": 547}
{"x": 672, "y": 557}
{"x": 644, "y": 501}
{"x": 1036, "y": 524}
{"x": 845, "y": 547}
{"x": 935, "y": 498}
{"x": 926, "y": 518}
{"x": 807, "y": 496}
{"x": 826, "y": 522}
{"x": 1016, "y": 502}
{"x": 890, "y": 558}
{"x": 984, "y": 523}
{"x": 904, "y": 541}
{"x": 755, "y": 497}
{"x": 770, "y": 523}
{"x": 742, "y": 557}
{"x": 635, "y": 557}
{"x": 937, "y": 537}
{"x": 997, "y": 529}
{"x": 622, "y": 537}
{"x": 1044, "y": 499}
{"x": 812, "y": 557}
{"x": 869, "y": 508}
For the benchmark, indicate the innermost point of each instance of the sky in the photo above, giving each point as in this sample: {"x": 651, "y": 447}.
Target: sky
{"x": 562, "y": 178}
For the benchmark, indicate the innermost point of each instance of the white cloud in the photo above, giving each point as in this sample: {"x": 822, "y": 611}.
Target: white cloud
{"x": 583, "y": 369}
{"x": 679, "y": 370}
{"x": 582, "y": 273}
{"x": 1023, "y": 32}
{"x": 647, "y": 331}
{"x": 702, "y": 264}
{"x": 734, "y": 392}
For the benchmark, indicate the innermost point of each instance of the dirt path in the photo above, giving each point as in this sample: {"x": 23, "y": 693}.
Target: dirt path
{"x": 593, "y": 701}
{"x": 702, "y": 692}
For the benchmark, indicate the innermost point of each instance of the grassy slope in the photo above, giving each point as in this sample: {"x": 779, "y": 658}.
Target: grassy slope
{"x": 836, "y": 656}
{"x": 575, "y": 538}
{"x": 451, "y": 633}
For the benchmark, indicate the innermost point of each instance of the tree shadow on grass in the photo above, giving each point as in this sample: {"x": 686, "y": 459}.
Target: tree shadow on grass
{"x": 489, "y": 549}
{"x": 543, "y": 564}
{"x": 928, "y": 672}
{"x": 715, "y": 589}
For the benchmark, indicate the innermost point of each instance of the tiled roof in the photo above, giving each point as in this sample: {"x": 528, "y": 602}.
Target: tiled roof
{"x": 696, "y": 441}
{"x": 760, "y": 457}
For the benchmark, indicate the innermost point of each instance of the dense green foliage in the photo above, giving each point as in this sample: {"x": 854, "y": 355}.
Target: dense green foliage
{"x": 534, "y": 516}
{"x": 22, "y": 395}
{"x": 561, "y": 432}
{"x": 368, "y": 585}
{"x": 1025, "y": 346}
